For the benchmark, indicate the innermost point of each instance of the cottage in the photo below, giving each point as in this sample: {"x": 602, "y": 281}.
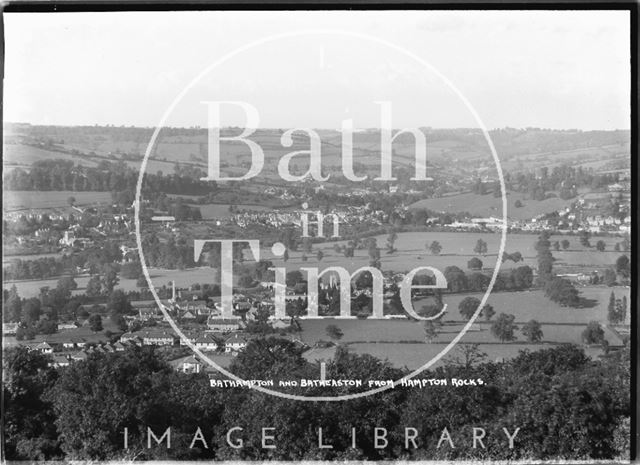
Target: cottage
{"x": 44, "y": 348}
{"x": 74, "y": 343}
{"x": 131, "y": 338}
{"x": 206, "y": 342}
{"x": 189, "y": 335}
{"x": 149, "y": 313}
{"x": 158, "y": 338}
{"x": 148, "y": 309}
{"x": 235, "y": 344}
{"x": 78, "y": 357}
{"x": 242, "y": 306}
{"x": 64, "y": 326}
{"x": 196, "y": 307}
{"x": 59, "y": 361}
{"x": 108, "y": 348}
{"x": 119, "y": 346}
{"x": 190, "y": 365}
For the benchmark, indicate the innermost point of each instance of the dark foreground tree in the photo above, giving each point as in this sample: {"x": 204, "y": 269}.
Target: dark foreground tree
{"x": 29, "y": 431}
{"x": 566, "y": 405}
{"x": 95, "y": 400}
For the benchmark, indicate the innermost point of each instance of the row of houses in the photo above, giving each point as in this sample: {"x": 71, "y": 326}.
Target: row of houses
{"x": 206, "y": 343}
{"x": 203, "y": 341}
{"x": 192, "y": 364}
{"x": 67, "y": 352}
{"x": 214, "y": 320}
{"x": 277, "y": 219}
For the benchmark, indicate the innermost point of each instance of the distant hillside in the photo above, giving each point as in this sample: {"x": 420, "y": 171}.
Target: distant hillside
{"x": 466, "y": 149}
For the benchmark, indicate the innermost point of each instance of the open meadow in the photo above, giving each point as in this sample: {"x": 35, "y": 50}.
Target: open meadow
{"x": 488, "y": 205}
{"x": 24, "y": 156}
{"x": 457, "y": 250}
{"x": 402, "y": 342}
{"x": 51, "y": 200}
{"x": 533, "y": 305}
{"x": 160, "y": 277}
{"x": 414, "y": 356}
{"x": 560, "y": 325}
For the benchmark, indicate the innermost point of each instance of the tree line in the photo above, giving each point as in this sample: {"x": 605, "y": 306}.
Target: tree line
{"x": 64, "y": 175}
{"x": 566, "y": 406}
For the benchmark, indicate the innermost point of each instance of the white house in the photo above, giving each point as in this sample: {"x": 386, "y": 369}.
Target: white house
{"x": 60, "y": 361}
{"x": 188, "y": 364}
{"x": 74, "y": 343}
{"x": 44, "y": 347}
{"x": 119, "y": 346}
{"x": 158, "y": 338}
{"x": 235, "y": 344}
{"x": 62, "y": 326}
{"x": 189, "y": 336}
{"x": 206, "y": 342}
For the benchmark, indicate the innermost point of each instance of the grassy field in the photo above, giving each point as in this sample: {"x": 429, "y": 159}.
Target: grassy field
{"x": 457, "y": 249}
{"x": 31, "y": 288}
{"x": 10, "y": 258}
{"x": 401, "y": 342}
{"x": 45, "y": 200}
{"x": 488, "y": 205}
{"x": 414, "y": 356}
{"x": 192, "y": 149}
{"x": 160, "y": 277}
{"x": 560, "y": 325}
{"x": 581, "y": 156}
{"x": 527, "y": 305}
{"x": 24, "y": 155}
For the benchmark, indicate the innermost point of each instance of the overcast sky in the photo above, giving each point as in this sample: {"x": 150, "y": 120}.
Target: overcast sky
{"x": 520, "y": 69}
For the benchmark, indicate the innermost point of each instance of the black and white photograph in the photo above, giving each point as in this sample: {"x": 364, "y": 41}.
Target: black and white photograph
{"x": 319, "y": 235}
